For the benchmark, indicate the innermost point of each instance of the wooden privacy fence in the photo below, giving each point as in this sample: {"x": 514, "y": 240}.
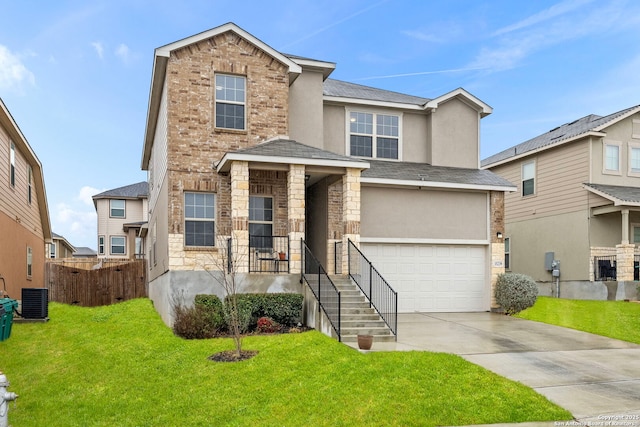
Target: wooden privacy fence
{"x": 94, "y": 283}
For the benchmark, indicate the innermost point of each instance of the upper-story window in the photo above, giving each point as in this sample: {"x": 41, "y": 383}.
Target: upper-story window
{"x": 374, "y": 135}
{"x": 634, "y": 159}
{"x": 529, "y": 178}
{"x": 611, "y": 164}
{"x": 12, "y": 165}
{"x": 117, "y": 208}
{"x": 199, "y": 219}
{"x": 230, "y": 101}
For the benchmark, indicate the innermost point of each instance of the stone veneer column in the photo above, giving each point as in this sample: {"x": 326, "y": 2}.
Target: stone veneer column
{"x": 350, "y": 213}
{"x": 624, "y": 262}
{"x": 296, "y": 213}
{"x": 496, "y": 212}
{"x": 240, "y": 215}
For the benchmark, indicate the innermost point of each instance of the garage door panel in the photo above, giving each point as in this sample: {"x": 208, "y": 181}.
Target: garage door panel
{"x": 433, "y": 277}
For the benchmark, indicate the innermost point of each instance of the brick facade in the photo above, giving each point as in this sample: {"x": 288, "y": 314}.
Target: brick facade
{"x": 195, "y": 145}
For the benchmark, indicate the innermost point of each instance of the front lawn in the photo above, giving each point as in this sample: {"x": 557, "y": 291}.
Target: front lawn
{"x": 120, "y": 365}
{"x": 613, "y": 319}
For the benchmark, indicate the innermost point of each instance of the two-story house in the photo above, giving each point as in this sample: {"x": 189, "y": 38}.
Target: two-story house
{"x": 248, "y": 143}
{"x": 578, "y": 202}
{"x": 25, "y": 230}
{"x": 59, "y": 247}
{"x": 122, "y": 221}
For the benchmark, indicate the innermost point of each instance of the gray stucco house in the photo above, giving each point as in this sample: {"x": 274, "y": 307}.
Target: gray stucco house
{"x": 249, "y": 143}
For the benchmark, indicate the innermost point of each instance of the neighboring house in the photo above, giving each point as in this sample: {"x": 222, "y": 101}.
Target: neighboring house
{"x": 25, "y": 229}
{"x": 59, "y": 248}
{"x": 248, "y": 143}
{"x": 578, "y": 202}
{"x": 122, "y": 221}
{"x": 84, "y": 252}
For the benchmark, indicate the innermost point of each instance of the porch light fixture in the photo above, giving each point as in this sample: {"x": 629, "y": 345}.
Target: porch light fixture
{"x": 499, "y": 235}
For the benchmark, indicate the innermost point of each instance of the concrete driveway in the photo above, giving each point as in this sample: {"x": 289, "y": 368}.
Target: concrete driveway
{"x": 596, "y": 378}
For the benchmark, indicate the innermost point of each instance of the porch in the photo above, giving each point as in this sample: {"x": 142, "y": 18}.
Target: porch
{"x": 615, "y": 264}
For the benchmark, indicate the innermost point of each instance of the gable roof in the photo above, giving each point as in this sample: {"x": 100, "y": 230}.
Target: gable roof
{"x": 63, "y": 240}
{"x": 341, "y": 89}
{"x": 426, "y": 175}
{"x": 83, "y": 251}
{"x": 139, "y": 190}
{"x": 161, "y": 58}
{"x": 619, "y": 195}
{"x": 289, "y": 151}
{"x": 588, "y": 125}
{"x": 11, "y": 127}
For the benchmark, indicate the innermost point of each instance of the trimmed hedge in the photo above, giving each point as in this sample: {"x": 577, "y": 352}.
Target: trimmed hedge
{"x": 515, "y": 292}
{"x": 284, "y": 308}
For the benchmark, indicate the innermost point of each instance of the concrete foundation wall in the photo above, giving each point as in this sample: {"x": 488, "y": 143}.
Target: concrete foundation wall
{"x": 185, "y": 285}
{"x": 313, "y": 316}
{"x": 602, "y": 291}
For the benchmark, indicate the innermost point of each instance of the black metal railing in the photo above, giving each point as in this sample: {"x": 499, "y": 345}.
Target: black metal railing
{"x": 380, "y": 294}
{"x": 269, "y": 254}
{"x": 604, "y": 267}
{"x": 322, "y": 287}
{"x": 337, "y": 257}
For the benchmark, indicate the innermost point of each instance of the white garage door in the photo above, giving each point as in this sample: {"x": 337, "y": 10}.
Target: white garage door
{"x": 433, "y": 278}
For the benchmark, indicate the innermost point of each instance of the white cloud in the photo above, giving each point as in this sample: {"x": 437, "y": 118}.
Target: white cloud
{"x": 86, "y": 195}
{"x": 77, "y": 226}
{"x": 422, "y": 36}
{"x": 123, "y": 53}
{"x": 552, "y": 12}
{"x": 13, "y": 73}
{"x": 99, "y": 49}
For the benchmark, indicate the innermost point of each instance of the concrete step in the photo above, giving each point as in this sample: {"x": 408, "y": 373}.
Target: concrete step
{"x": 359, "y": 323}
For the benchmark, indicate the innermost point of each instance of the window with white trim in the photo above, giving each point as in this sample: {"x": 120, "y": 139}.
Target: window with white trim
{"x": 230, "y": 101}
{"x": 611, "y": 158}
{"x": 52, "y": 250}
{"x": 118, "y": 245}
{"x": 260, "y": 222}
{"x": 374, "y": 135}
{"x": 100, "y": 245}
{"x": 12, "y": 165}
{"x": 199, "y": 219}
{"x": 29, "y": 262}
{"x": 528, "y": 178}
{"x": 507, "y": 253}
{"x": 634, "y": 159}
{"x": 117, "y": 208}
{"x": 635, "y": 126}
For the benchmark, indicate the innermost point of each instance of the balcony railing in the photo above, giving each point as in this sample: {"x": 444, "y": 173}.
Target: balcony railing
{"x": 269, "y": 254}
{"x": 604, "y": 268}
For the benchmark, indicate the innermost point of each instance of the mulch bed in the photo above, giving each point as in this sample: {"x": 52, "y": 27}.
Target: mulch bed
{"x": 232, "y": 356}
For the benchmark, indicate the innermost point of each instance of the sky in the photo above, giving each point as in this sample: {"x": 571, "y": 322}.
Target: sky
{"x": 75, "y": 74}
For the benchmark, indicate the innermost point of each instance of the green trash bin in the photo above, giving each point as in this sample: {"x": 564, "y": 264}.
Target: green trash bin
{"x": 7, "y": 305}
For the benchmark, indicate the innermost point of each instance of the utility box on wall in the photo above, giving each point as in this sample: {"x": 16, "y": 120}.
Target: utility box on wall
{"x": 548, "y": 260}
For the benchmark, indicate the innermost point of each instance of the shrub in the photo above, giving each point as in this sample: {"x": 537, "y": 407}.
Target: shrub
{"x": 283, "y": 308}
{"x": 245, "y": 311}
{"x": 192, "y": 322}
{"x": 515, "y": 292}
{"x": 212, "y": 305}
{"x": 266, "y": 325}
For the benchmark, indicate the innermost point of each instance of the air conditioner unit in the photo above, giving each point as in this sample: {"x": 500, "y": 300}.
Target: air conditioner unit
{"x": 35, "y": 303}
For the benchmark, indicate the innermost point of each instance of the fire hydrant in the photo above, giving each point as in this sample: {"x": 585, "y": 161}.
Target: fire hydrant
{"x": 5, "y": 398}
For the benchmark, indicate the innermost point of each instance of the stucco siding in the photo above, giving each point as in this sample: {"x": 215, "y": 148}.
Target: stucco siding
{"x": 560, "y": 174}
{"x": 424, "y": 214}
{"x": 455, "y": 135}
{"x": 334, "y": 122}
{"x": 414, "y": 138}
{"x": 565, "y": 234}
{"x": 305, "y": 109}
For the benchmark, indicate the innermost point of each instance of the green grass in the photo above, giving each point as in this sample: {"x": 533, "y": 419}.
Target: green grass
{"x": 120, "y": 365}
{"x": 613, "y": 319}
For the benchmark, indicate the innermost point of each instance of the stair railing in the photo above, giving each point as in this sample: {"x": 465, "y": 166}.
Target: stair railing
{"x": 322, "y": 286}
{"x": 380, "y": 294}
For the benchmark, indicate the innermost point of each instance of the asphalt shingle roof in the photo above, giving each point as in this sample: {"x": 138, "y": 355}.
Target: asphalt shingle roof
{"x": 132, "y": 191}
{"x": 624, "y": 194}
{"x": 342, "y": 89}
{"x": 408, "y": 171}
{"x": 291, "y": 148}
{"x": 569, "y": 130}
